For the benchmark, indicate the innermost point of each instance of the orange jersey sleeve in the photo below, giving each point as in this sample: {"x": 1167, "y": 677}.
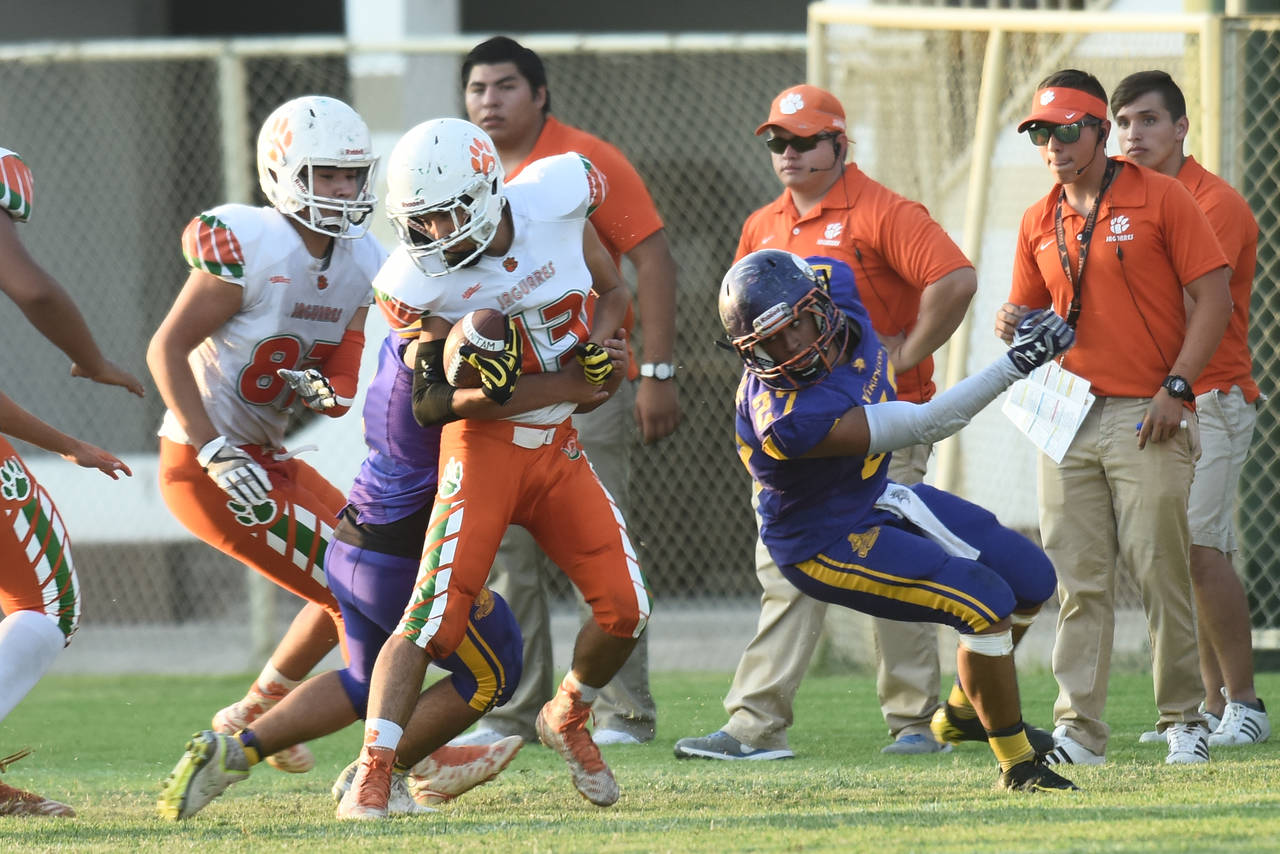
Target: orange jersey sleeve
{"x": 209, "y": 245}
{"x": 17, "y": 187}
{"x": 1237, "y": 230}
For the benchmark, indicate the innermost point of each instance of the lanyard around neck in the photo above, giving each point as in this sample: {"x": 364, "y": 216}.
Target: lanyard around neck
{"x": 1076, "y": 280}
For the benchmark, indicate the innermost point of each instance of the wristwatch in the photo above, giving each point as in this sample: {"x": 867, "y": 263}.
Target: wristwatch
{"x": 1178, "y": 387}
{"x": 658, "y": 370}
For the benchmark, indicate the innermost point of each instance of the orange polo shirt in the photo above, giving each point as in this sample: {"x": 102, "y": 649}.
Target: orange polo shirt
{"x": 1151, "y": 239}
{"x": 628, "y": 214}
{"x": 1237, "y": 231}
{"x": 892, "y": 244}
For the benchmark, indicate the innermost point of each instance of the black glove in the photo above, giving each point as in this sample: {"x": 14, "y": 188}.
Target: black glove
{"x": 498, "y": 371}
{"x": 595, "y": 361}
{"x": 1039, "y": 336}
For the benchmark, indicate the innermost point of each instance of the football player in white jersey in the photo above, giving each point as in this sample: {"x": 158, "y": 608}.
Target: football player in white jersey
{"x": 271, "y": 315}
{"x": 508, "y": 451}
{"x": 39, "y": 590}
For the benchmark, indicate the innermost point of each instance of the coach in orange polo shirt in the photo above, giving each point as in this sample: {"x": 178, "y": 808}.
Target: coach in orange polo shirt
{"x": 1115, "y": 249}
{"x": 916, "y": 285}
{"x": 505, "y": 90}
{"x": 1151, "y": 121}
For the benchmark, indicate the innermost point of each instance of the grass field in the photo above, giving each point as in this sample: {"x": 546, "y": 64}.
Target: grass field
{"x": 103, "y": 744}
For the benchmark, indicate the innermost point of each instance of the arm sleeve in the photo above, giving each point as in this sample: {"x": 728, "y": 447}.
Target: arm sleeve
{"x": 432, "y": 394}
{"x": 896, "y": 424}
{"x": 342, "y": 370}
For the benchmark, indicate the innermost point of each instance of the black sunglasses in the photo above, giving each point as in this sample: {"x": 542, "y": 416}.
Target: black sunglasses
{"x": 778, "y": 144}
{"x": 1062, "y": 133}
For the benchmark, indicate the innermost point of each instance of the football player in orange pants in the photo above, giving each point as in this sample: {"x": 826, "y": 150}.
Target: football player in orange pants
{"x": 39, "y": 591}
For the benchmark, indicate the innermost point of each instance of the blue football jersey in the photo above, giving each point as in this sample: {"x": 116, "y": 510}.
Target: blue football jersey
{"x": 805, "y": 504}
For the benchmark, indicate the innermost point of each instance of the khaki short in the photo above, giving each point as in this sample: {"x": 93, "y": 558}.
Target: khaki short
{"x": 1226, "y": 431}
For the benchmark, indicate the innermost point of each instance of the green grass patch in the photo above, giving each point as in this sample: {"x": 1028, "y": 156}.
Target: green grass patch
{"x": 103, "y": 744}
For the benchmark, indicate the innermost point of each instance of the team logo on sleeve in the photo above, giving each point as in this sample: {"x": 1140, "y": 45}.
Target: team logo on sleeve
{"x": 15, "y": 486}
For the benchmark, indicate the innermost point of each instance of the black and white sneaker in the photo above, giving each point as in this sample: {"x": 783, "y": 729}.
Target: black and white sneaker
{"x": 1188, "y": 744}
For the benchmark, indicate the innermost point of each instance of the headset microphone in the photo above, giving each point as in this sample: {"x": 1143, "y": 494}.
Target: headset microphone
{"x": 835, "y": 161}
{"x": 1101, "y": 144}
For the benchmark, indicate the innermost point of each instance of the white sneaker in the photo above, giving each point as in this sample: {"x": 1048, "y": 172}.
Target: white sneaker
{"x": 1068, "y": 751}
{"x": 1211, "y": 720}
{"x": 1241, "y": 725}
{"x": 478, "y": 738}
{"x": 614, "y": 736}
{"x": 1188, "y": 744}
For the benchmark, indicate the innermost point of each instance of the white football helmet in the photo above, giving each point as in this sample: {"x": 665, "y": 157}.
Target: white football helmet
{"x": 445, "y": 166}
{"x": 316, "y": 131}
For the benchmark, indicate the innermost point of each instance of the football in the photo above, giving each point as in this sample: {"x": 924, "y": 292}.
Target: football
{"x": 485, "y": 329}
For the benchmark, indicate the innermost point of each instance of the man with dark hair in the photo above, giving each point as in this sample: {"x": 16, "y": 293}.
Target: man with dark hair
{"x": 1151, "y": 118}
{"x": 506, "y": 94}
{"x": 1114, "y": 249}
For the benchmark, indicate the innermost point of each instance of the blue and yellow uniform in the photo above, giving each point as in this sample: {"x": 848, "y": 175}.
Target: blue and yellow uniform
{"x": 842, "y": 532}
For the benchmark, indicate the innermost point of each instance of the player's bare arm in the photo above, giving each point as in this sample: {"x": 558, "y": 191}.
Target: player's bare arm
{"x": 943, "y": 305}
{"x": 1206, "y": 322}
{"x": 51, "y": 310}
{"x": 613, "y": 298}
{"x": 17, "y": 422}
{"x": 204, "y": 304}
{"x": 657, "y": 407}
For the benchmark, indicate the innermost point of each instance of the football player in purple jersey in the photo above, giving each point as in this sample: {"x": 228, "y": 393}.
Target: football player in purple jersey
{"x": 816, "y": 421}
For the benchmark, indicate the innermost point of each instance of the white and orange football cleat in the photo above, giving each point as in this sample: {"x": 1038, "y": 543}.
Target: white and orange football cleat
{"x": 450, "y": 770}
{"x": 17, "y": 802}
{"x": 562, "y": 726}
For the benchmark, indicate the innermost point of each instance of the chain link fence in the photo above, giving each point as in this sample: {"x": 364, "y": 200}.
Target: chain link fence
{"x": 935, "y": 98}
{"x": 127, "y": 141}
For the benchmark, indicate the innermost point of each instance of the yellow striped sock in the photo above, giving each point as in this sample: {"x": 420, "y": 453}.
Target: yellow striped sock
{"x": 1010, "y": 746}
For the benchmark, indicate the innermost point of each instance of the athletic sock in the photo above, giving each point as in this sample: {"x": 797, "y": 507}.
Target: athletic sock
{"x": 1010, "y": 745}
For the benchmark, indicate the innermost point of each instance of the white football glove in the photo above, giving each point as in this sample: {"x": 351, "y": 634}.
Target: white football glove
{"x": 313, "y": 388}
{"x": 234, "y": 471}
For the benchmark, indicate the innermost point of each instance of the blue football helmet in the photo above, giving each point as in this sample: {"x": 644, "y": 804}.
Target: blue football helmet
{"x": 764, "y": 293}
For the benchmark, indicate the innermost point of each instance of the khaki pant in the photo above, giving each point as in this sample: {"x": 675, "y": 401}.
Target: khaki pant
{"x": 764, "y": 687}
{"x": 1108, "y": 505}
{"x": 521, "y": 574}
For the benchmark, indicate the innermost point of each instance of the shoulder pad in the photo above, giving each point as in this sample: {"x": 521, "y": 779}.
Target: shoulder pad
{"x": 558, "y": 187}
{"x": 16, "y": 186}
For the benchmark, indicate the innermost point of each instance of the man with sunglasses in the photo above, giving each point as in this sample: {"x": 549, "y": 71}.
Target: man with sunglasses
{"x": 1151, "y": 121}
{"x": 1115, "y": 249}
{"x": 916, "y": 285}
